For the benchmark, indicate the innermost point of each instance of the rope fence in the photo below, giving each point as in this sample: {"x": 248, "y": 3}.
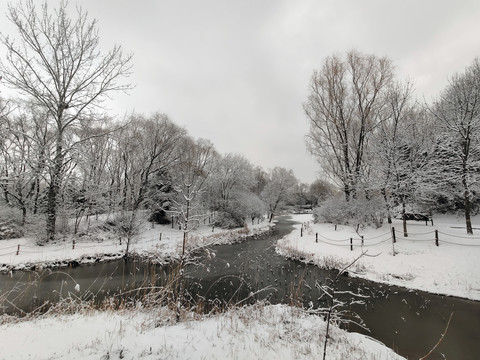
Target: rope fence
{"x": 25, "y": 249}
{"x": 361, "y": 241}
{"x": 158, "y": 238}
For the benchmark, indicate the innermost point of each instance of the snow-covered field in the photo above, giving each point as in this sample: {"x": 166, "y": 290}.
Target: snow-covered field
{"x": 161, "y": 243}
{"x": 452, "y": 268}
{"x": 254, "y": 332}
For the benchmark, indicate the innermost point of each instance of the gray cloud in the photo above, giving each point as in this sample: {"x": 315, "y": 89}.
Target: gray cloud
{"x": 237, "y": 72}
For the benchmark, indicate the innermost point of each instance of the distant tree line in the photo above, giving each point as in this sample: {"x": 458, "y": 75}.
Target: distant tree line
{"x": 374, "y": 140}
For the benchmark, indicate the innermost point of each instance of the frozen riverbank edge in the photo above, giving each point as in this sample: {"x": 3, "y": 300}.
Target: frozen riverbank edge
{"x": 451, "y": 269}
{"x": 159, "y": 244}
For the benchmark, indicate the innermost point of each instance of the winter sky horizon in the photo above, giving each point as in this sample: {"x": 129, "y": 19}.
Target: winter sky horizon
{"x": 237, "y": 72}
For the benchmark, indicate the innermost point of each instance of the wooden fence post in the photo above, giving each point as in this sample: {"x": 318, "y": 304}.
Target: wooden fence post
{"x": 160, "y": 237}
{"x": 393, "y": 235}
{"x": 393, "y": 241}
{"x": 73, "y": 244}
{"x": 335, "y": 227}
{"x": 316, "y": 237}
{"x": 351, "y": 244}
{"x": 362, "y": 239}
{"x": 301, "y": 231}
{"x": 18, "y": 249}
{"x": 436, "y": 237}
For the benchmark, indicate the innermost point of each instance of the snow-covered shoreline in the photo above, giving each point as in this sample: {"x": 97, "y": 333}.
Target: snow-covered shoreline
{"x": 160, "y": 244}
{"x": 452, "y": 268}
{"x": 250, "y": 332}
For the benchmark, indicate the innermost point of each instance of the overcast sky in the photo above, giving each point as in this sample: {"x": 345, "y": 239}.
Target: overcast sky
{"x": 237, "y": 72}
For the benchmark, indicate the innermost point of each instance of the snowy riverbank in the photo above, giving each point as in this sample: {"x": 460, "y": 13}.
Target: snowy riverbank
{"x": 160, "y": 243}
{"x": 451, "y": 268}
{"x": 253, "y": 332}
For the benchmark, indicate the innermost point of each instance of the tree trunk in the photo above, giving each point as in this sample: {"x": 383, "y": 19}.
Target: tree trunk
{"x": 37, "y": 195}
{"x": 54, "y": 188}
{"x": 346, "y": 190}
{"x": 185, "y": 228}
{"x": 51, "y": 209}
{"x": 389, "y": 215}
{"x": 468, "y": 220}
{"x": 404, "y": 218}
{"x": 24, "y": 214}
{"x": 466, "y": 194}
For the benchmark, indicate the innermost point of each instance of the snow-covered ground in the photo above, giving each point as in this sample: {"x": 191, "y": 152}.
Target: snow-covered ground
{"x": 254, "y": 332}
{"x": 161, "y": 243}
{"x": 452, "y": 268}
{"x": 258, "y": 331}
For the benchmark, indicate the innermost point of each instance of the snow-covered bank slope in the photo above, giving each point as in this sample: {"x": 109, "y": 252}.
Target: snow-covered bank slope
{"x": 161, "y": 243}
{"x": 256, "y": 332}
{"x": 452, "y": 268}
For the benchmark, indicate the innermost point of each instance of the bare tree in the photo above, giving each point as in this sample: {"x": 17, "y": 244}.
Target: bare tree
{"x": 58, "y": 64}
{"x": 91, "y": 193}
{"x": 344, "y": 107}
{"x": 281, "y": 185}
{"x": 457, "y": 112}
{"x": 232, "y": 180}
{"x": 320, "y": 190}
{"x": 189, "y": 182}
{"x": 397, "y": 151}
{"x": 147, "y": 146}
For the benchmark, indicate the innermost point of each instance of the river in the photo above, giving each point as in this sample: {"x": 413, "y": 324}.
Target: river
{"x": 410, "y": 322}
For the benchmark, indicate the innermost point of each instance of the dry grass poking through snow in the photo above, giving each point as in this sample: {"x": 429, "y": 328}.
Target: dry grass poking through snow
{"x": 252, "y": 332}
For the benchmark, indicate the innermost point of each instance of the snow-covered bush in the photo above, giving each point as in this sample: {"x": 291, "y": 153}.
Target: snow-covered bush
{"x": 240, "y": 210}
{"x": 10, "y": 223}
{"x": 229, "y": 219}
{"x": 357, "y": 212}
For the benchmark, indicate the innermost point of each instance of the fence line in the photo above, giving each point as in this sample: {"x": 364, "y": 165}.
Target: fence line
{"x": 414, "y": 240}
{"x": 378, "y": 243}
{"x": 452, "y": 243}
{"x": 459, "y": 237}
{"x": 378, "y": 236}
{"x": 419, "y": 234}
{"x": 350, "y": 242}
{"x": 334, "y": 240}
{"x": 8, "y": 247}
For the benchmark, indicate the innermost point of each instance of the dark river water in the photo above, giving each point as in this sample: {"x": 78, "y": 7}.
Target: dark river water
{"x": 410, "y": 322}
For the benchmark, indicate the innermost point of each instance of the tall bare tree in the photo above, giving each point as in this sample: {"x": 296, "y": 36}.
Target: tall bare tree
{"x": 457, "y": 112}
{"x": 146, "y": 147}
{"x": 189, "y": 182}
{"x": 281, "y": 185}
{"x": 57, "y": 63}
{"x": 396, "y": 148}
{"x": 344, "y": 108}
